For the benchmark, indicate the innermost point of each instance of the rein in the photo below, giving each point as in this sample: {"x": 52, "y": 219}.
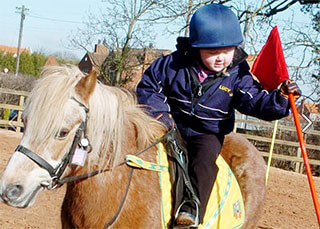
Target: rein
{"x": 91, "y": 174}
{"x": 96, "y": 172}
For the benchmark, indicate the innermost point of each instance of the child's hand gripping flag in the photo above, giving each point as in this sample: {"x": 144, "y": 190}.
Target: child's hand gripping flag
{"x": 271, "y": 70}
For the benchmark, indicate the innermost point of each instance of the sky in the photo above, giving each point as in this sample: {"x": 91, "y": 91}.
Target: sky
{"x": 48, "y": 24}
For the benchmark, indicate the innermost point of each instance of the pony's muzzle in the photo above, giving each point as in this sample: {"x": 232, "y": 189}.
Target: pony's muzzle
{"x": 11, "y": 193}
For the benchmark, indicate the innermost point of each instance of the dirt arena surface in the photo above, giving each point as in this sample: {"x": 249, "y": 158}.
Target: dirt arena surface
{"x": 288, "y": 203}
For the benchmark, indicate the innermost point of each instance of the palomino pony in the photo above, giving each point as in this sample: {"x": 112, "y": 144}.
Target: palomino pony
{"x": 66, "y": 110}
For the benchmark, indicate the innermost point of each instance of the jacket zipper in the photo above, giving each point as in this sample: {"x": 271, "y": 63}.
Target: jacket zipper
{"x": 196, "y": 97}
{"x": 199, "y": 90}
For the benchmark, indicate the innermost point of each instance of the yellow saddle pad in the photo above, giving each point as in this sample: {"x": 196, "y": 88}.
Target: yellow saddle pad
{"x": 225, "y": 209}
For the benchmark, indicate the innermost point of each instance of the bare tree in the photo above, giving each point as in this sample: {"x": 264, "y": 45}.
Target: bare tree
{"x": 312, "y": 43}
{"x": 128, "y": 24}
{"x": 124, "y": 25}
{"x": 300, "y": 41}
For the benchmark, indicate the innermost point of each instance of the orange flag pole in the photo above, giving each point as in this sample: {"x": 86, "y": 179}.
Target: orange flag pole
{"x": 271, "y": 55}
{"x": 305, "y": 157}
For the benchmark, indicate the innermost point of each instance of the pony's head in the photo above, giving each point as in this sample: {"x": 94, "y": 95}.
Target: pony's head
{"x": 67, "y": 113}
{"x": 55, "y": 110}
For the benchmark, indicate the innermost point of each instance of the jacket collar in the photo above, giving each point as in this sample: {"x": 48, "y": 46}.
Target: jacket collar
{"x": 239, "y": 56}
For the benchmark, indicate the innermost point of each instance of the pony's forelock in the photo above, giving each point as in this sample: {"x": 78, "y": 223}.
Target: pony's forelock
{"x": 110, "y": 108}
{"x": 47, "y": 101}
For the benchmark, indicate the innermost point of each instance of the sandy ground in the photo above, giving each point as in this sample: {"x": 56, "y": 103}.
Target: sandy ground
{"x": 288, "y": 203}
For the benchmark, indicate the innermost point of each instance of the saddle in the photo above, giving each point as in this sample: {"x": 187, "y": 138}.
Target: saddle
{"x": 226, "y": 203}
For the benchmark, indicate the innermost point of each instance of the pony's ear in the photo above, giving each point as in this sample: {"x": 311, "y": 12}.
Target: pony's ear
{"x": 86, "y": 86}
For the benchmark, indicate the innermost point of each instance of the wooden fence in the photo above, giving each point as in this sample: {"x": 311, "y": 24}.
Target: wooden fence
{"x": 17, "y": 124}
{"x": 257, "y": 124}
{"x": 299, "y": 166}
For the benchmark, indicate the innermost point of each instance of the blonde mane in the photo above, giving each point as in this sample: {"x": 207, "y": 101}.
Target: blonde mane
{"x": 111, "y": 110}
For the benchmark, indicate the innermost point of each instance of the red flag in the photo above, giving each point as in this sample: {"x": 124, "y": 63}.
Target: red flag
{"x": 270, "y": 66}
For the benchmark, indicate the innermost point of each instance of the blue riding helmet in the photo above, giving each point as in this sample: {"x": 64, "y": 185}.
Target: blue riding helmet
{"x": 214, "y": 26}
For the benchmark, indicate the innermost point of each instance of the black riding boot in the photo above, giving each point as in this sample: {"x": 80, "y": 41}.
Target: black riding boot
{"x": 202, "y": 152}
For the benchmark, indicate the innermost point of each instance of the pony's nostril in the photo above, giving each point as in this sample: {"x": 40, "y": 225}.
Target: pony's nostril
{"x": 13, "y": 192}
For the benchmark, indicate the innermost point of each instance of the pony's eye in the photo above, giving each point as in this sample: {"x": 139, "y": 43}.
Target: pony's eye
{"x": 62, "y": 134}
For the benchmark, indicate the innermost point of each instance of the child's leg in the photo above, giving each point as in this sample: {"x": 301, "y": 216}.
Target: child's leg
{"x": 202, "y": 153}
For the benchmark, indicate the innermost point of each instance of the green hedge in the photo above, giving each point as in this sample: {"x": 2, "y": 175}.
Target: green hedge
{"x": 30, "y": 64}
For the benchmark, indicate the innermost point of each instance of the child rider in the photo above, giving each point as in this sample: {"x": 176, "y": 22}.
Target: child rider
{"x": 200, "y": 85}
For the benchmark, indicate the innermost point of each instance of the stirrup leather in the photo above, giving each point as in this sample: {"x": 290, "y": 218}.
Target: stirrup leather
{"x": 180, "y": 157}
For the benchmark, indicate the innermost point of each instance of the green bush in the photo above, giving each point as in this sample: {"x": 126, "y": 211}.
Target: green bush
{"x": 7, "y": 61}
{"x": 29, "y": 64}
{"x": 26, "y": 65}
{"x": 38, "y": 60}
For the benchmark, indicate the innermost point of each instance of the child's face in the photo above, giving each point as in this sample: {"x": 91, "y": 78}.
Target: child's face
{"x": 216, "y": 59}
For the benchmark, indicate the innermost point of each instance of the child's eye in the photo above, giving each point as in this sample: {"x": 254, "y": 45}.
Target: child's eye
{"x": 213, "y": 52}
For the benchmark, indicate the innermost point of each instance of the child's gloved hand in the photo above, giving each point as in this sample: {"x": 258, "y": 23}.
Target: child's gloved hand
{"x": 290, "y": 86}
{"x": 166, "y": 119}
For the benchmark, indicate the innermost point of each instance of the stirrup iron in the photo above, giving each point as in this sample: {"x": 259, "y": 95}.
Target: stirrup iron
{"x": 196, "y": 224}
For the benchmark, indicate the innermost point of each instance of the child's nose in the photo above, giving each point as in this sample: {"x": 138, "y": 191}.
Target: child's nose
{"x": 219, "y": 57}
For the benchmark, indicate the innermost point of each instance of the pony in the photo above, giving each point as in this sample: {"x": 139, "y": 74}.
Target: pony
{"x": 67, "y": 110}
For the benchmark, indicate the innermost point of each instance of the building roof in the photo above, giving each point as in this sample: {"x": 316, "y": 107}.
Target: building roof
{"x": 250, "y": 59}
{"x": 312, "y": 107}
{"x": 13, "y": 50}
{"x": 144, "y": 56}
{"x": 309, "y": 109}
{"x": 51, "y": 61}
{"x": 96, "y": 58}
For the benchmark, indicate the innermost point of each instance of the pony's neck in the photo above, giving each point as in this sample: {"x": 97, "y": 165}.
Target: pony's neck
{"x": 114, "y": 112}
{"x": 135, "y": 131}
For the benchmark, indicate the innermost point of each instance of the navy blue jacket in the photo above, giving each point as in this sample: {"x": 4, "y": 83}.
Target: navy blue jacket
{"x": 170, "y": 86}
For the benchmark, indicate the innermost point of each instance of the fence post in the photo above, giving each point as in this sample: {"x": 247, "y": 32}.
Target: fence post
{"x": 21, "y": 104}
{"x": 298, "y": 164}
{"x": 235, "y": 128}
{"x": 274, "y": 134}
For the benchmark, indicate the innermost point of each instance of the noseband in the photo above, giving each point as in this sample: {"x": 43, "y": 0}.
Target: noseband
{"x": 57, "y": 172}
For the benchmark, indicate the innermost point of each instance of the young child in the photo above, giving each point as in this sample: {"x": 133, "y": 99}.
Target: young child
{"x": 200, "y": 85}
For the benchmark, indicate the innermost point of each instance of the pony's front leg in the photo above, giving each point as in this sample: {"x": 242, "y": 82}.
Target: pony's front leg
{"x": 66, "y": 219}
{"x": 66, "y": 222}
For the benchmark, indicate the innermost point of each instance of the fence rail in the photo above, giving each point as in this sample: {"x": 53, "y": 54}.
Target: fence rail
{"x": 18, "y": 123}
{"x": 298, "y": 160}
